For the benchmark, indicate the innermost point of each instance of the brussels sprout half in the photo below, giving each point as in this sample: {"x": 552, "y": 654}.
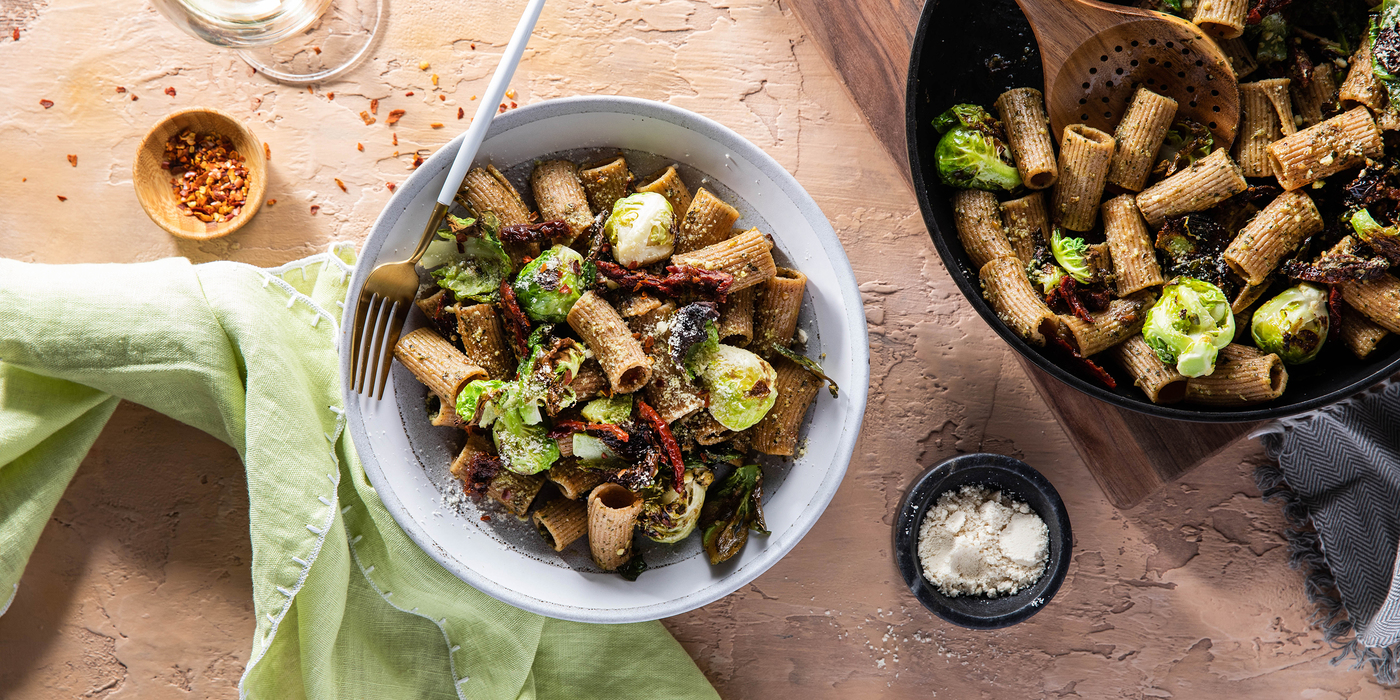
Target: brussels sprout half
{"x": 548, "y": 287}
{"x": 639, "y": 229}
{"x": 525, "y": 449}
{"x": 670, "y": 516}
{"x": 1292, "y": 325}
{"x": 743, "y": 386}
{"x": 1189, "y": 325}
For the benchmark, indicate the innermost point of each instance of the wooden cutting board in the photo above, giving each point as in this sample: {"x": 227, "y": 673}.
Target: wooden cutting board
{"x": 1130, "y": 454}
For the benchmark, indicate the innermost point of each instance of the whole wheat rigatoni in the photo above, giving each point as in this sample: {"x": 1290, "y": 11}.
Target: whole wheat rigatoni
{"x": 561, "y": 522}
{"x": 776, "y": 434}
{"x": 1017, "y": 304}
{"x": 605, "y": 183}
{"x": 1022, "y": 112}
{"x": 668, "y": 184}
{"x": 612, "y": 515}
{"x": 1206, "y": 183}
{"x": 1085, "y": 156}
{"x": 745, "y": 256}
{"x": 776, "y": 309}
{"x": 604, "y": 331}
{"x": 1223, "y": 19}
{"x": 1273, "y": 233}
{"x": 978, "y": 218}
{"x": 1378, "y": 299}
{"x": 1361, "y": 87}
{"x": 1122, "y": 319}
{"x": 436, "y": 363}
{"x": 488, "y": 190}
{"x": 560, "y": 195}
{"x": 1135, "y": 265}
{"x": 1342, "y": 142}
{"x": 1320, "y": 92}
{"x": 1360, "y": 334}
{"x": 484, "y": 340}
{"x": 707, "y": 222}
{"x": 736, "y": 317}
{"x": 1025, "y": 222}
{"x": 1261, "y": 123}
{"x": 1160, "y": 381}
{"x": 1242, "y": 376}
{"x": 1139, "y": 136}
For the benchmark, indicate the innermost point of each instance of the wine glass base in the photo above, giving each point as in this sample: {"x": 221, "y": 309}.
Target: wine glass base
{"x": 332, "y": 45}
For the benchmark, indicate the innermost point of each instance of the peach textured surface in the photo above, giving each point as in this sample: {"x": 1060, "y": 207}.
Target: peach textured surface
{"x": 140, "y": 585}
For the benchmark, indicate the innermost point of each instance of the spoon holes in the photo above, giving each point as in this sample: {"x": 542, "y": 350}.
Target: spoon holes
{"x": 1085, "y": 86}
{"x": 1151, "y": 42}
{"x": 1212, "y": 125}
{"x": 1151, "y": 61}
{"x": 1103, "y": 100}
{"x": 1093, "y": 71}
{"x": 1119, "y": 71}
{"x": 1150, "y": 81}
{"x": 1193, "y": 103}
{"x": 1185, "y": 51}
{"x": 1166, "y": 64}
{"x": 1215, "y": 93}
{"x": 1103, "y": 57}
{"x": 1200, "y": 63}
{"x": 1118, "y": 49}
{"x": 1134, "y": 42}
{"x": 1133, "y": 63}
{"x": 1106, "y": 115}
{"x": 1084, "y": 117}
{"x": 1190, "y": 88}
{"x": 1215, "y": 108}
{"x": 1181, "y": 74}
{"x": 1170, "y": 45}
{"x": 1108, "y": 84}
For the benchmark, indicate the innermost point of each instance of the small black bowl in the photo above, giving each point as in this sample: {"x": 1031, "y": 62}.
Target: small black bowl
{"x": 1017, "y": 480}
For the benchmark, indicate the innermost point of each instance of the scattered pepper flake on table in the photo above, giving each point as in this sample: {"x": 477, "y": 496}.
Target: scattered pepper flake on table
{"x": 120, "y": 89}
{"x": 267, "y": 151}
{"x": 134, "y": 97}
{"x": 330, "y": 96}
{"x": 211, "y": 179}
{"x": 396, "y": 137}
{"x": 374, "y": 106}
{"x": 317, "y": 49}
{"x": 417, "y": 160}
{"x": 501, "y": 109}
{"x": 170, "y": 91}
{"x": 46, "y": 103}
{"x": 310, "y": 91}
{"x": 510, "y": 94}
{"x": 442, "y": 98}
{"x": 340, "y": 184}
{"x": 461, "y": 112}
{"x": 367, "y": 119}
{"x": 408, "y": 94}
{"x": 423, "y": 65}
{"x": 73, "y": 160}
{"x": 61, "y": 198}
{"x": 360, "y": 147}
{"x": 513, "y": 105}
{"x": 394, "y": 116}
{"x": 391, "y": 186}
{"x": 435, "y": 125}
{"x": 15, "y": 34}
{"x": 271, "y": 202}
{"x": 434, "y": 79}
{"x": 315, "y": 209}
{"x": 473, "y": 47}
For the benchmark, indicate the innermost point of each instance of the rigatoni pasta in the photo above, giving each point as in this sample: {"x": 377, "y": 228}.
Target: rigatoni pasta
{"x": 1139, "y": 136}
{"x": 1342, "y": 142}
{"x": 746, "y": 257}
{"x": 1017, "y": 304}
{"x": 484, "y": 340}
{"x": 1273, "y": 233}
{"x": 1208, "y": 182}
{"x": 1221, "y": 18}
{"x": 1360, "y": 333}
{"x": 1361, "y": 87}
{"x": 776, "y": 434}
{"x": 620, "y": 354}
{"x": 605, "y": 183}
{"x": 776, "y": 309}
{"x": 1160, "y": 381}
{"x": 668, "y": 184}
{"x": 436, "y": 363}
{"x": 1242, "y": 376}
{"x": 560, "y": 195}
{"x": 1261, "y": 123}
{"x": 1024, "y": 223}
{"x": 978, "y": 218}
{"x": 1028, "y": 131}
{"x": 736, "y": 317}
{"x": 1378, "y": 299}
{"x": 1122, "y": 320}
{"x": 1085, "y": 157}
{"x": 706, "y": 222}
{"x": 561, "y": 522}
{"x": 488, "y": 190}
{"x": 612, "y": 515}
{"x": 1320, "y": 93}
{"x": 1135, "y": 265}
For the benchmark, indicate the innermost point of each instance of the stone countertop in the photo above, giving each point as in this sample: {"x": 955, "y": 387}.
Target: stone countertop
{"x": 140, "y": 585}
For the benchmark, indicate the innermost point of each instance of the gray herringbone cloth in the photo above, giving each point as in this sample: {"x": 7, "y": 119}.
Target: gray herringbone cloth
{"x": 1338, "y": 477}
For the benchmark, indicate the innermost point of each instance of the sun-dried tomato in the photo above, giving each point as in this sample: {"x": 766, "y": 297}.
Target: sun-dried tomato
{"x": 516, "y": 320}
{"x": 1085, "y": 365}
{"x": 565, "y": 428}
{"x": 668, "y": 441}
{"x": 534, "y": 233}
{"x": 679, "y": 278}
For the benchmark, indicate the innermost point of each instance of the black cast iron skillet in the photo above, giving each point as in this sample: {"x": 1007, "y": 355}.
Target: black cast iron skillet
{"x": 974, "y": 51}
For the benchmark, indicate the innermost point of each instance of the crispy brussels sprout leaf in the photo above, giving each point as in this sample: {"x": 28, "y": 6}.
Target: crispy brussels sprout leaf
{"x": 1293, "y": 325}
{"x": 524, "y": 448}
{"x": 477, "y": 273}
{"x": 478, "y": 403}
{"x": 810, "y": 365}
{"x": 1384, "y": 36}
{"x": 731, "y": 509}
{"x": 1384, "y": 239}
{"x": 1187, "y": 142}
{"x": 694, "y": 335}
{"x": 1045, "y": 276}
{"x": 1188, "y": 325}
{"x": 633, "y": 568}
{"x": 1070, "y": 254}
{"x": 614, "y": 410}
{"x": 971, "y": 159}
{"x": 639, "y": 229}
{"x": 670, "y": 516}
{"x": 1273, "y": 39}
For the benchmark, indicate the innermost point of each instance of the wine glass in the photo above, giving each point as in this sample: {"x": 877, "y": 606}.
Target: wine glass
{"x": 292, "y": 41}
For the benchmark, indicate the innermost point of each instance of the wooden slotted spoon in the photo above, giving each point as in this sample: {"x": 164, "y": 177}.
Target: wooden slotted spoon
{"x": 1095, "y": 55}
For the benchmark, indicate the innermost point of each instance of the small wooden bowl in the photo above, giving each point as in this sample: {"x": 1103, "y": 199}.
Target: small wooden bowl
{"x": 152, "y": 182}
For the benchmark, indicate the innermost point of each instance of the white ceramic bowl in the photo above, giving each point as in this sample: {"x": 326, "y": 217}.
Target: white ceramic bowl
{"x": 407, "y": 459}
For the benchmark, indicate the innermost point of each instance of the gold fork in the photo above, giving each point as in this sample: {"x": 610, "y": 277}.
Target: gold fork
{"x": 387, "y": 295}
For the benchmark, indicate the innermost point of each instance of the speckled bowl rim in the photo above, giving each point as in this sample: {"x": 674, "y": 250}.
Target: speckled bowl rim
{"x": 854, "y": 323}
{"x": 910, "y": 516}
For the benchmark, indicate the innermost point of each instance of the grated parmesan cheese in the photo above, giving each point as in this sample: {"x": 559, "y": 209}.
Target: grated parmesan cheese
{"x": 976, "y": 541}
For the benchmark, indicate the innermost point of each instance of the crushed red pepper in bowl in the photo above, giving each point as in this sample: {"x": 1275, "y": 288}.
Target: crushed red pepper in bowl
{"x": 211, "y": 177}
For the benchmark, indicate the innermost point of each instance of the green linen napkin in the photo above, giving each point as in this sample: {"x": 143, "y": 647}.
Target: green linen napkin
{"x": 347, "y": 606}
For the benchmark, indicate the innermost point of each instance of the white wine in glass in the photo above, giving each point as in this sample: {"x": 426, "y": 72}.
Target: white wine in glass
{"x": 295, "y": 41}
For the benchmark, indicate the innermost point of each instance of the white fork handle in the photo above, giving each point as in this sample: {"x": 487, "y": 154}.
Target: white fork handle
{"x": 490, "y": 102}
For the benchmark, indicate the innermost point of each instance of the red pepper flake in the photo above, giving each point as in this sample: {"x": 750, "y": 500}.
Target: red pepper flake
{"x": 510, "y": 94}
{"x": 485, "y": 518}
{"x": 61, "y": 198}
{"x": 46, "y": 103}
{"x": 473, "y": 47}
{"x": 367, "y": 119}
{"x": 394, "y": 116}
{"x": 120, "y": 89}
{"x": 340, "y": 184}
{"x": 461, "y": 112}
{"x": 170, "y": 91}
{"x": 317, "y": 49}
{"x": 391, "y": 186}
{"x": 436, "y": 125}
{"x": 442, "y": 98}
{"x": 271, "y": 202}
{"x": 267, "y": 151}
{"x": 360, "y": 147}
{"x": 73, "y": 160}
{"x": 513, "y": 105}
{"x": 309, "y": 91}
{"x": 15, "y": 34}
{"x": 501, "y": 109}
{"x": 210, "y": 177}
{"x": 396, "y": 138}
{"x": 315, "y": 209}
{"x": 330, "y": 96}
{"x": 417, "y": 161}
{"x": 374, "y": 106}
{"x": 408, "y": 94}
{"x": 134, "y": 97}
